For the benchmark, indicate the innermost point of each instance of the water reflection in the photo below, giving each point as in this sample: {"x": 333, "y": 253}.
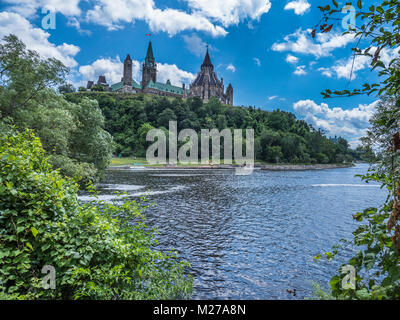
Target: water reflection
{"x": 250, "y": 237}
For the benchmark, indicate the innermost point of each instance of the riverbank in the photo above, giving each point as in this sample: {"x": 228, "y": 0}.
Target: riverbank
{"x": 302, "y": 167}
{"x": 268, "y": 167}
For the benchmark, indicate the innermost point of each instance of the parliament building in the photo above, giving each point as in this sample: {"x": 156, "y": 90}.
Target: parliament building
{"x": 205, "y": 86}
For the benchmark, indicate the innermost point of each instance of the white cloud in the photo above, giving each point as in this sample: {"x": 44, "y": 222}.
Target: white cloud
{"x": 74, "y": 22}
{"x": 302, "y": 42}
{"x": 350, "y": 124}
{"x": 257, "y": 61}
{"x": 36, "y": 38}
{"x": 349, "y": 67}
{"x": 299, "y": 6}
{"x": 174, "y": 74}
{"x": 196, "y": 45}
{"x": 230, "y": 12}
{"x": 112, "y": 13}
{"x": 326, "y": 72}
{"x": 272, "y": 98}
{"x": 111, "y": 68}
{"x": 231, "y": 67}
{"x": 292, "y": 59}
{"x": 174, "y": 21}
{"x": 29, "y": 8}
{"x": 201, "y": 15}
{"x": 300, "y": 71}
{"x": 343, "y": 69}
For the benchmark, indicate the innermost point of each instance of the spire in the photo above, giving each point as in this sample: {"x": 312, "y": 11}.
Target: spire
{"x": 128, "y": 57}
{"x": 207, "y": 61}
{"x": 149, "y": 56}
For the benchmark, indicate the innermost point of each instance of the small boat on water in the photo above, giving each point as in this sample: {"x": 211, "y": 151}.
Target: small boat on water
{"x": 244, "y": 170}
{"x": 137, "y": 168}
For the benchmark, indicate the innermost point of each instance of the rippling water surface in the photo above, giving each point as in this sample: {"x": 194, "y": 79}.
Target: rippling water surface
{"x": 251, "y": 237}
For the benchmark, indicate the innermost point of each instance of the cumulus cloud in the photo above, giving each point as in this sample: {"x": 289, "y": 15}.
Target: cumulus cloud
{"x": 326, "y": 72}
{"x": 299, "y": 6}
{"x": 109, "y": 67}
{"x": 348, "y": 68}
{"x": 174, "y": 74}
{"x": 204, "y": 15}
{"x": 300, "y": 71}
{"x": 230, "y": 12}
{"x": 174, "y": 21}
{"x": 231, "y": 67}
{"x": 36, "y": 38}
{"x": 113, "y": 13}
{"x": 201, "y": 15}
{"x": 29, "y": 8}
{"x": 348, "y": 123}
{"x": 257, "y": 61}
{"x": 292, "y": 59}
{"x": 302, "y": 42}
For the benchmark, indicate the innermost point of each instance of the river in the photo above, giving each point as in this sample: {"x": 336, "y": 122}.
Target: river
{"x": 251, "y": 237}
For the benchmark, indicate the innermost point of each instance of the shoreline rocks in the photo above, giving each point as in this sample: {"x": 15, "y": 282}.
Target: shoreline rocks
{"x": 268, "y": 167}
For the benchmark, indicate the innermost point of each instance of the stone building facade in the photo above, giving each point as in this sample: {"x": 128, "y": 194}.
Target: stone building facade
{"x": 205, "y": 86}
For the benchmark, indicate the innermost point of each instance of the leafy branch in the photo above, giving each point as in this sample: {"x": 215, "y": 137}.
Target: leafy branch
{"x": 382, "y": 31}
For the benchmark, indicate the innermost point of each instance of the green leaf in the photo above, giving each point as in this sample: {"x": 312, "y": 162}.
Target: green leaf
{"x": 363, "y": 294}
{"x": 34, "y": 231}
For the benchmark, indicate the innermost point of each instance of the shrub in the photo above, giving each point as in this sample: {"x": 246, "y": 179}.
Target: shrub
{"x": 99, "y": 250}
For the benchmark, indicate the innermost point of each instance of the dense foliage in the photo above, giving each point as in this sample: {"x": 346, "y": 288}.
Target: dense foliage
{"x": 279, "y": 136}
{"x": 377, "y": 239}
{"x": 99, "y": 250}
{"x": 72, "y": 134}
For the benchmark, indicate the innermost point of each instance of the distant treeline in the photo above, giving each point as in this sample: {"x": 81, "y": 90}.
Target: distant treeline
{"x": 279, "y": 136}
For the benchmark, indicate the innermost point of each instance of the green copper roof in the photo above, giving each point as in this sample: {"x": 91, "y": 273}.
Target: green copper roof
{"x": 166, "y": 87}
{"x": 119, "y": 85}
{"x": 149, "y": 60}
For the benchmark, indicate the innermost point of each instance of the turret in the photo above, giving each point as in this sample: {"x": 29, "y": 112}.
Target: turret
{"x": 149, "y": 72}
{"x": 127, "y": 79}
{"x": 102, "y": 80}
{"x": 229, "y": 95}
{"x": 207, "y": 64}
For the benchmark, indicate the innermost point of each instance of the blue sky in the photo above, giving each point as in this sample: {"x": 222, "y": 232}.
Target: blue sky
{"x": 264, "y": 48}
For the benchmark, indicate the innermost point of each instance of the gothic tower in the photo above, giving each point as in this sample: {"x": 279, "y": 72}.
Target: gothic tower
{"x": 127, "y": 79}
{"x": 149, "y": 72}
{"x": 229, "y": 95}
{"x": 207, "y": 84}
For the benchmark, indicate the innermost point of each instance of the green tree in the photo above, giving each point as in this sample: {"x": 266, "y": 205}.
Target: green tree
{"x": 98, "y": 88}
{"x": 89, "y": 142}
{"x": 99, "y": 250}
{"x": 165, "y": 117}
{"x": 377, "y": 239}
{"x": 273, "y": 154}
{"x": 141, "y": 143}
{"x": 72, "y": 134}
{"x": 24, "y": 75}
{"x": 125, "y": 115}
{"x": 66, "y": 88}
